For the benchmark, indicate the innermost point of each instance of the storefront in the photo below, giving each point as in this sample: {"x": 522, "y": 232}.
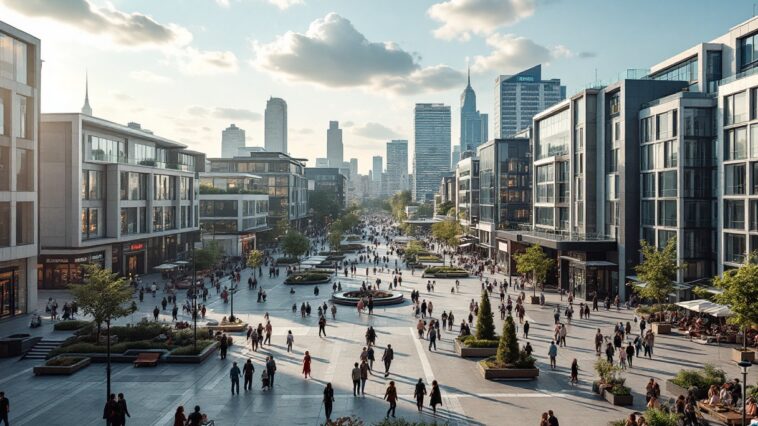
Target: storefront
{"x": 141, "y": 256}
{"x": 12, "y": 288}
{"x": 58, "y": 271}
{"x": 134, "y": 259}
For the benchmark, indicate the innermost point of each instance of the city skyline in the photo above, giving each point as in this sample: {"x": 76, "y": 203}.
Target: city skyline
{"x": 156, "y": 63}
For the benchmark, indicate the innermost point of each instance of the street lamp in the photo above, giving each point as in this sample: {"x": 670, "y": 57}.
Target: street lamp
{"x": 744, "y": 366}
{"x": 194, "y": 290}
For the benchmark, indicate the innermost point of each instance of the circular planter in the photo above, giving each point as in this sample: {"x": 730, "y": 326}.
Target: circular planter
{"x": 380, "y": 297}
{"x": 291, "y": 281}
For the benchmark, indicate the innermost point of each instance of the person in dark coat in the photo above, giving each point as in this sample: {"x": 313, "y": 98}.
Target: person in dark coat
{"x": 109, "y": 412}
{"x": 419, "y": 393}
{"x": 122, "y": 412}
{"x": 328, "y": 401}
{"x": 435, "y": 398}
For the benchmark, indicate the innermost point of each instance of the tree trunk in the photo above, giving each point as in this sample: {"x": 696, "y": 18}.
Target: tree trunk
{"x": 744, "y": 337}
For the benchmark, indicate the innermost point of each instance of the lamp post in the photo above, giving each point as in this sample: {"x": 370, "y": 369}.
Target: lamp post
{"x": 108, "y": 359}
{"x": 744, "y": 366}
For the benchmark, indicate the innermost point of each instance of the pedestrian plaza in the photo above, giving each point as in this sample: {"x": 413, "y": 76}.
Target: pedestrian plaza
{"x": 467, "y": 399}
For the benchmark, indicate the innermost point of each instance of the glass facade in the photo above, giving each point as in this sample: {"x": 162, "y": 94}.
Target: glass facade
{"x": 553, "y": 135}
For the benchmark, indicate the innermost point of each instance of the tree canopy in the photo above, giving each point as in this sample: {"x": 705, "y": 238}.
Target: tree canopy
{"x": 485, "y": 324}
{"x": 444, "y": 208}
{"x": 255, "y": 259}
{"x": 323, "y": 204}
{"x": 295, "y": 244}
{"x": 657, "y": 270}
{"x": 398, "y": 203}
{"x": 534, "y": 261}
{"x": 507, "y": 349}
{"x": 447, "y": 231}
{"x": 102, "y": 295}
{"x": 208, "y": 256}
{"x": 740, "y": 293}
{"x": 425, "y": 210}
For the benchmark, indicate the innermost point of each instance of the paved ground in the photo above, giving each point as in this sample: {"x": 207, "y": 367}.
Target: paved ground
{"x": 154, "y": 393}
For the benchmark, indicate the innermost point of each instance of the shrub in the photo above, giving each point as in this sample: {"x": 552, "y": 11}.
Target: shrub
{"x": 507, "y": 349}
{"x": 485, "y": 324}
{"x": 70, "y": 325}
{"x": 190, "y": 349}
{"x": 525, "y": 360}
{"x": 661, "y": 418}
{"x": 63, "y": 361}
{"x": 286, "y": 260}
{"x": 701, "y": 379}
{"x": 144, "y": 330}
{"x": 472, "y": 342}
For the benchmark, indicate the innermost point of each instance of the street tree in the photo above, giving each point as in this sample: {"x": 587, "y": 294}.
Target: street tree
{"x": 534, "y": 261}
{"x": 448, "y": 232}
{"x": 103, "y": 296}
{"x": 485, "y": 324}
{"x": 295, "y": 244}
{"x": 507, "y": 349}
{"x": 657, "y": 270}
{"x": 255, "y": 259}
{"x": 207, "y": 257}
{"x": 740, "y": 293}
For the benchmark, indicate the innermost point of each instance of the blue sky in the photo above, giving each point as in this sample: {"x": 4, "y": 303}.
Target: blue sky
{"x": 188, "y": 68}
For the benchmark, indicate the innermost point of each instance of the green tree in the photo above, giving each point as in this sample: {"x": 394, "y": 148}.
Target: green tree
{"x": 102, "y": 296}
{"x": 281, "y": 228}
{"x": 350, "y": 221}
{"x": 485, "y": 324}
{"x": 447, "y": 231}
{"x": 335, "y": 239}
{"x": 398, "y": 202}
{"x": 255, "y": 259}
{"x": 507, "y": 348}
{"x": 444, "y": 208}
{"x": 425, "y": 210}
{"x": 208, "y": 256}
{"x": 534, "y": 261}
{"x": 657, "y": 270}
{"x": 413, "y": 249}
{"x": 295, "y": 244}
{"x": 323, "y": 204}
{"x": 740, "y": 293}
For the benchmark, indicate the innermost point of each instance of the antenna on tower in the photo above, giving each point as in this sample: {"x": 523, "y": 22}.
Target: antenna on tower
{"x": 86, "y": 109}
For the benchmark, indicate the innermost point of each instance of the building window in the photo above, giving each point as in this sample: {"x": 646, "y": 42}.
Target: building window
{"x": 748, "y": 51}
{"x": 734, "y": 248}
{"x": 93, "y": 184}
{"x": 164, "y": 187}
{"x": 185, "y": 187}
{"x": 133, "y": 186}
{"x": 21, "y": 127}
{"x": 734, "y": 179}
{"x": 667, "y": 213}
{"x": 664, "y": 237}
{"x": 90, "y": 223}
{"x": 5, "y": 224}
{"x": 735, "y": 144}
{"x": 129, "y": 221}
{"x": 13, "y": 59}
{"x": 671, "y": 153}
{"x": 144, "y": 155}
{"x": 646, "y": 129}
{"x": 544, "y": 216}
{"x": 107, "y": 150}
{"x": 734, "y": 214}
{"x": 4, "y": 168}
{"x": 648, "y": 213}
{"x": 24, "y": 223}
{"x": 667, "y": 184}
{"x": 754, "y": 215}
{"x": 735, "y": 108}
{"x": 218, "y": 208}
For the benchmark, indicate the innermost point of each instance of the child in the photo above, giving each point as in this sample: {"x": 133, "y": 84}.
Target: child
{"x": 264, "y": 379}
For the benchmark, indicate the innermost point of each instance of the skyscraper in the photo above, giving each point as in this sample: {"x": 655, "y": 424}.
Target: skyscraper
{"x": 232, "y": 139}
{"x": 456, "y": 156}
{"x": 397, "y": 166}
{"x": 334, "y": 144}
{"x": 519, "y": 97}
{"x": 377, "y": 168}
{"x": 275, "y": 139}
{"x": 431, "y": 153}
{"x": 473, "y": 130}
{"x": 353, "y": 168}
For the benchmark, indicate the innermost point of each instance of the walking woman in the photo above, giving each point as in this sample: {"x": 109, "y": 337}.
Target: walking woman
{"x": 307, "y": 364}
{"x": 419, "y": 393}
{"x": 391, "y": 396}
{"x": 435, "y": 398}
{"x": 574, "y": 372}
{"x": 328, "y": 400}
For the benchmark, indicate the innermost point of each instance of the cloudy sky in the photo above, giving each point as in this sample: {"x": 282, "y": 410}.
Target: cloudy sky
{"x": 187, "y": 68}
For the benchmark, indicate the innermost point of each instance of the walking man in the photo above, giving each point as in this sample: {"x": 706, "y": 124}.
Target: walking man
{"x": 322, "y": 326}
{"x": 328, "y": 401}
{"x": 432, "y": 338}
{"x": 271, "y": 368}
{"x": 248, "y": 370}
{"x": 387, "y": 357}
{"x": 290, "y": 340}
{"x": 234, "y": 374}
{"x": 356, "y": 376}
{"x": 5, "y": 408}
{"x": 419, "y": 393}
{"x": 391, "y": 396}
{"x": 364, "y": 376}
{"x": 552, "y": 352}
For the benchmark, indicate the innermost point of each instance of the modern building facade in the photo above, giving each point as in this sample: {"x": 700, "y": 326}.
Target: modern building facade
{"x": 473, "y": 124}
{"x": 397, "y": 166}
{"x": 431, "y": 153}
{"x": 112, "y": 195}
{"x": 377, "y": 168}
{"x": 328, "y": 180}
{"x": 275, "y": 122}
{"x": 232, "y": 140}
{"x": 334, "y": 149}
{"x": 467, "y": 187}
{"x": 282, "y": 178}
{"x": 19, "y": 184}
{"x": 233, "y": 210}
{"x": 456, "y": 156}
{"x": 520, "y": 97}
{"x": 322, "y": 162}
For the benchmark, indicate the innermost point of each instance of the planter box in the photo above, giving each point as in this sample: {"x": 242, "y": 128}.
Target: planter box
{"x": 17, "y": 344}
{"x": 619, "y": 400}
{"x": 676, "y": 390}
{"x": 229, "y": 328}
{"x": 467, "y": 352}
{"x": 660, "y": 328}
{"x": 535, "y": 300}
{"x": 191, "y": 359}
{"x": 50, "y": 370}
{"x": 740, "y": 355}
{"x": 508, "y": 373}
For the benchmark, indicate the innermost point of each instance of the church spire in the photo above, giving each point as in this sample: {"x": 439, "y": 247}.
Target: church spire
{"x": 86, "y": 109}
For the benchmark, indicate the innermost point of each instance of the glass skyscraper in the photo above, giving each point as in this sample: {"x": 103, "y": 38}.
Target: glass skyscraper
{"x": 519, "y": 97}
{"x": 431, "y": 156}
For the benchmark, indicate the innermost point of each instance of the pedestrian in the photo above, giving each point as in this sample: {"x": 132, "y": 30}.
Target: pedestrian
{"x": 234, "y": 375}
{"x": 328, "y": 401}
{"x": 432, "y": 338}
{"x": 290, "y": 340}
{"x": 552, "y": 352}
{"x": 179, "y": 418}
{"x": 322, "y": 326}
{"x": 122, "y": 411}
{"x": 419, "y": 393}
{"x": 391, "y": 396}
{"x": 248, "y": 371}
{"x": 435, "y": 398}
{"x": 356, "y": 376}
{"x": 271, "y": 369}
{"x": 195, "y": 418}
{"x": 364, "y": 376}
{"x": 109, "y": 412}
{"x": 223, "y": 346}
{"x": 526, "y": 329}
{"x": 551, "y": 419}
{"x": 370, "y": 358}
{"x": 387, "y": 357}
{"x": 574, "y": 372}
{"x": 5, "y": 408}
{"x": 156, "y": 312}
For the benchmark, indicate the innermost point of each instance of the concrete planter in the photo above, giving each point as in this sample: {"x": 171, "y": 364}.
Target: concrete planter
{"x": 229, "y": 328}
{"x": 619, "y": 400}
{"x": 508, "y": 373}
{"x": 535, "y": 300}
{"x": 61, "y": 370}
{"x": 192, "y": 359}
{"x": 16, "y": 344}
{"x": 740, "y": 355}
{"x": 661, "y": 328}
{"x": 468, "y": 352}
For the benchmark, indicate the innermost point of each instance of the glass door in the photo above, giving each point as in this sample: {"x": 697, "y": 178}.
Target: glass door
{"x": 8, "y": 293}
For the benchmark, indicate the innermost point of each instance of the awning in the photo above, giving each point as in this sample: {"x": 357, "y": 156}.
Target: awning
{"x": 640, "y": 284}
{"x": 181, "y": 262}
{"x": 165, "y": 267}
{"x": 589, "y": 263}
{"x": 466, "y": 245}
{"x": 706, "y": 307}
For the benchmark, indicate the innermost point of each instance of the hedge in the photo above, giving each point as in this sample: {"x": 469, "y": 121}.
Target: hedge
{"x": 190, "y": 349}
{"x": 70, "y": 325}
{"x": 472, "y": 342}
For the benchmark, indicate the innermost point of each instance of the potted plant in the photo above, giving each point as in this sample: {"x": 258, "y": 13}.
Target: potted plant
{"x": 484, "y": 342}
{"x": 658, "y": 271}
{"x": 611, "y": 384}
{"x": 696, "y": 380}
{"x": 739, "y": 289}
{"x": 509, "y": 362}
{"x": 534, "y": 261}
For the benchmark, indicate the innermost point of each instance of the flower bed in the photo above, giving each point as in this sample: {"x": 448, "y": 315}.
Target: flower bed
{"x": 444, "y": 272}
{"x": 379, "y": 297}
{"x": 62, "y": 365}
{"x": 351, "y": 247}
{"x": 429, "y": 259}
{"x": 308, "y": 278}
{"x": 524, "y": 369}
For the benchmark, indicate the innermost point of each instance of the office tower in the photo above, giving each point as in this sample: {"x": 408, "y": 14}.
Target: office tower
{"x": 467, "y": 186}
{"x": 334, "y": 144}
{"x": 431, "y": 153}
{"x": 322, "y": 162}
{"x": 19, "y": 120}
{"x": 328, "y": 179}
{"x": 397, "y": 166}
{"x": 377, "y": 167}
{"x": 456, "y": 157}
{"x": 519, "y": 97}
{"x": 353, "y": 168}
{"x": 275, "y": 139}
{"x": 232, "y": 140}
{"x": 471, "y": 120}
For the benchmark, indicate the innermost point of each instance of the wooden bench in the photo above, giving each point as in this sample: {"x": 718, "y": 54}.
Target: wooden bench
{"x": 728, "y": 416}
{"x": 147, "y": 358}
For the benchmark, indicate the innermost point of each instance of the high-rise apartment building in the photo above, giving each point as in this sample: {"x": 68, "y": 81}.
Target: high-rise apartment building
{"x": 431, "y": 153}
{"x": 334, "y": 144}
{"x": 397, "y": 166}
{"x": 19, "y": 130}
{"x": 232, "y": 140}
{"x": 519, "y": 97}
{"x": 473, "y": 124}
{"x": 275, "y": 139}
{"x": 377, "y": 168}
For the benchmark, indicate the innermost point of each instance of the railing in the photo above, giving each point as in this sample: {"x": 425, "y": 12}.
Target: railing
{"x": 117, "y": 159}
{"x": 735, "y": 77}
{"x": 562, "y": 235}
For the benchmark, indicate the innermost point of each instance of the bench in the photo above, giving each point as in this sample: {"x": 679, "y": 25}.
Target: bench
{"x": 147, "y": 358}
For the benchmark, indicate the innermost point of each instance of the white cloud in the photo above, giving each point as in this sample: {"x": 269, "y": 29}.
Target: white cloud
{"x": 461, "y": 18}
{"x": 225, "y": 113}
{"x": 223, "y": 3}
{"x": 333, "y": 53}
{"x": 284, "y": 4}
{"x": 375, "y": 131}
{"x": 149, "y": 77}
{"x": 205, "y": 62}
{"x": 512, "y": 53}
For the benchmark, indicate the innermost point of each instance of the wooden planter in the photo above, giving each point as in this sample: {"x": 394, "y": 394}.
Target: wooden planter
{"x": 508, "y": 373}
{"x": 229, "y": 328}
{"x": 62, "y": 370}
{"x": 661, "y": 328}
{"x": 619, "y": 400}
{"x": 740, "y": 355}
{"x": 468, "y": 352}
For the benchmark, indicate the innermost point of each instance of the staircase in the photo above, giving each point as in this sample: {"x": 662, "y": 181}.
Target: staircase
{"x": 42, "y": 348}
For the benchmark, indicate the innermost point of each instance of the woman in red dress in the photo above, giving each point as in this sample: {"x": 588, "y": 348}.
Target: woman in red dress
{"x": 307, "y": 364}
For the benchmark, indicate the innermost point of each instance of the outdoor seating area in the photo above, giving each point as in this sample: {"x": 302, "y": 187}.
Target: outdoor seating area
{"x": 705, "y": 322}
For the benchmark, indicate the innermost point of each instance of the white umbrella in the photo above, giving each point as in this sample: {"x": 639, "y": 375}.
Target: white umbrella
{"x": 165, "y": 267}
{"x": 719, "y": 311}
{"x": 181, "y": 262}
